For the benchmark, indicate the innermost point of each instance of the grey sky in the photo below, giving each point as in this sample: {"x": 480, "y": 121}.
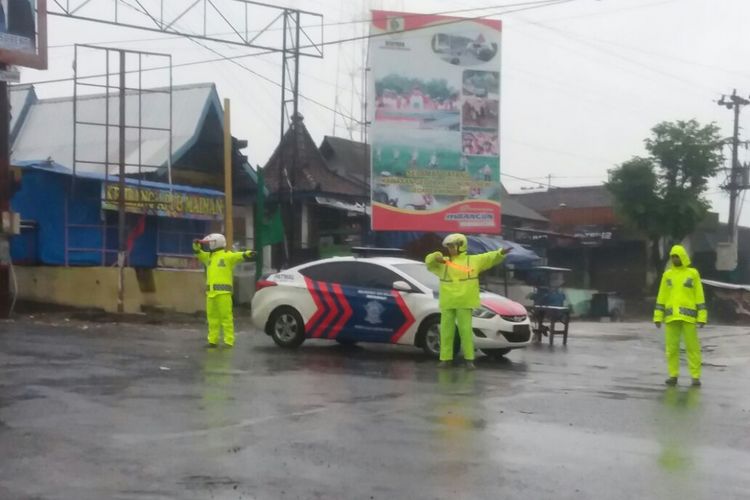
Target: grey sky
{"x": 582, "y": 82}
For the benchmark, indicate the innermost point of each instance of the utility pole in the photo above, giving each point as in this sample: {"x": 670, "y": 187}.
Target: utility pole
{"x": 5, "y": 259}
{"x": 735, "y": 184}
{"x": 228, "y": 214}
{"x": 121, "y": 231}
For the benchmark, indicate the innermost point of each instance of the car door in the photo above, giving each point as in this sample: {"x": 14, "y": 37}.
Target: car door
{"x": 379, "y": 313}
{"x": 355, "y": 302}
{"x": 325, "y": 283}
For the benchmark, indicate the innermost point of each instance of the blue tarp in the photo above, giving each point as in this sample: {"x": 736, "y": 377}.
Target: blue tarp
{"x": 520, "y": 257}
{"x": 47, "y": 192}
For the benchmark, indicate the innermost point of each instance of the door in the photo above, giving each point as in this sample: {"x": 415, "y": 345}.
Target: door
{"x": 356, "y": 302}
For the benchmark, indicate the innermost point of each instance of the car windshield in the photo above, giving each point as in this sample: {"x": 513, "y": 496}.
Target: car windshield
{"x": 419, "y": 272}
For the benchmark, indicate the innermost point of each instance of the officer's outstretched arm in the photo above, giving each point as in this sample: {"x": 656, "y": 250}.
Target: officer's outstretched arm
{"x": 243, "y": 256}
{"x": 434, "y": 262}
{"x": 199, "y": 253}
{"x": 487, "y": 260}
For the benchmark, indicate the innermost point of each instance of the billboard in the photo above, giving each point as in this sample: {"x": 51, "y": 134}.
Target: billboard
{"x": 435, "y": 123}
{"x": 23, "y": 33}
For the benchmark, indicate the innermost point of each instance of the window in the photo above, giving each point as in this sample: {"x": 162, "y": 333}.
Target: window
{"x": 329, "y": 272}
{"x": 352, "y": 273}
{"x": 374, "y": 276}
{"x": 420, "y": 273}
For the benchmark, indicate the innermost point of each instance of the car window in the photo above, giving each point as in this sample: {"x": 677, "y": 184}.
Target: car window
{"x": 329, "y": 272}
{"x": 374, "y": 276}
{"x": 352, "y": 273}
{"x": 420, "y": 273}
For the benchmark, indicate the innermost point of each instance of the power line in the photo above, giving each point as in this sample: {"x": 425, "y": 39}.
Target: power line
{"x": 338, "y": 23}
{"x": 527, "y": 6}
{"x": 614, "y": 11}
{"x": 531, "y": 181}
{"x": 611, "y": 53}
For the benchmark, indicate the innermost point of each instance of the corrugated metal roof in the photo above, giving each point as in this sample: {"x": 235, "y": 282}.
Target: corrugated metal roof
{"x": 571, "y": 197}
{"x": 47, "y": 131}
{"x": 513, "y": 208}
{"x": 56, "y": 168}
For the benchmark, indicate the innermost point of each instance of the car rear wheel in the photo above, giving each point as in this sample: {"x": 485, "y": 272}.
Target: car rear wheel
{"x": 286, "y": 327}
{"x": 496, "y": 353}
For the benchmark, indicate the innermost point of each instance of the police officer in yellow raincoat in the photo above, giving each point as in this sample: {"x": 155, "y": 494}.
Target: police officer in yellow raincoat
{"x": 681, "y": 305}
{"x": 211, "y": 252}
{"x": 459, "y": 292}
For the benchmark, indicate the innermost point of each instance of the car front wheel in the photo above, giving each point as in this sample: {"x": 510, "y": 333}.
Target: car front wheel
{"x": 430, "y": 339}
{"x": 286, "y": 327}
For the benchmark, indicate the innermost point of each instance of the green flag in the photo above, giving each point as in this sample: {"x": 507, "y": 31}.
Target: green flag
{"x": 273, "y": 230}
{"x": 266, "y": 232}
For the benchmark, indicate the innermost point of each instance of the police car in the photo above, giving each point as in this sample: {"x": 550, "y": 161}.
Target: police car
{"x": 375, "y": 299}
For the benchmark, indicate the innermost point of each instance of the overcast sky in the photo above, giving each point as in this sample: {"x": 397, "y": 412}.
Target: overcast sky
{"x": 582, "y": 82}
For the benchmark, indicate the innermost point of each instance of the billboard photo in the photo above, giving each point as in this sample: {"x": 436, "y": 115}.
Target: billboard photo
{"x": 23, "y": 33}
{"x": 435, "y": 134}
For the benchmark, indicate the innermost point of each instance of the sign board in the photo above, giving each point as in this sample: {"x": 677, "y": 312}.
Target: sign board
{"x": 595, "y": 235}
{"x": 435, "y": 135}
{"x": 23, "y": 33}
{"x": 177, "y": 262}
{"x": 163, "y": 202}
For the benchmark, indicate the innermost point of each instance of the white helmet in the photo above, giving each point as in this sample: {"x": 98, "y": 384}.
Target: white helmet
{"x": 214, "y": 241}
{"x": 457, "y": 239}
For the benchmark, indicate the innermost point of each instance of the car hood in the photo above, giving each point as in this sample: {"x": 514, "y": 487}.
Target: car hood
{"x": 501, "y": 305}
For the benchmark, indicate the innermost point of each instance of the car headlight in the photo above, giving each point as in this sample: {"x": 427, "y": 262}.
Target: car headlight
{"x": 482, "y": 312}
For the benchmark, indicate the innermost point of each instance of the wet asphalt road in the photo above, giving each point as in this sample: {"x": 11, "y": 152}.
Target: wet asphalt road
{"x": 91, "y": 411}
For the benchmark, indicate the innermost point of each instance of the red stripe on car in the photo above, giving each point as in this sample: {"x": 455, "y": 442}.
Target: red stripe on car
{"x": 332, "y": 311}
{"x": 347, "y": 312}
{"x": 407, "y": 314}
{"x": 318, "y": 303}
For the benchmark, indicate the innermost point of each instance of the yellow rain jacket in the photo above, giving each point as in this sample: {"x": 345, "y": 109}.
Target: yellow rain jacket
{"x": 219, "y": 266}
{"x": 681, "y": 293}
{"x": 459, "y": 284}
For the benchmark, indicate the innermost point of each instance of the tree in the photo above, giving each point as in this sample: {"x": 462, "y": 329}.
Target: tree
{"x": 662, "y": 195}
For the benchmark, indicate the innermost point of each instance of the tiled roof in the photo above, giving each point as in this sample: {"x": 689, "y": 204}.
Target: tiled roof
{"x": 312, "y": 173}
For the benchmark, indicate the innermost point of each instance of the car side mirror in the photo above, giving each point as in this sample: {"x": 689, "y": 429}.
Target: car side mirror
{"x": 402, "y": 286}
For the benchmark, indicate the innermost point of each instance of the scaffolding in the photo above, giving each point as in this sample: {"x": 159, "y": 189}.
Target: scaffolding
{"x": 122, "y": 128}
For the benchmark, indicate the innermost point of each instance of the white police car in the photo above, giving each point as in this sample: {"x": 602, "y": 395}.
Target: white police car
{"x": 375, "y": 299}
